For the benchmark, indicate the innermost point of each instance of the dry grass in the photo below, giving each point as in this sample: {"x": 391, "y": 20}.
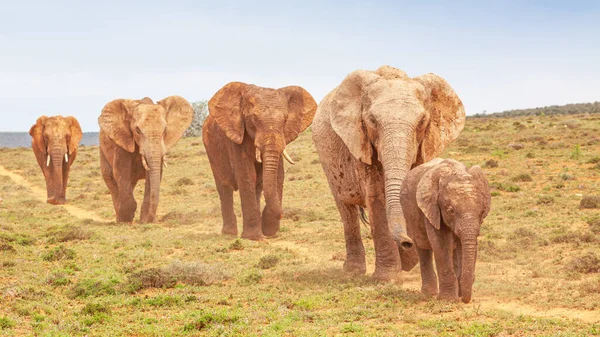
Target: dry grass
{"x": 538, "y": 251}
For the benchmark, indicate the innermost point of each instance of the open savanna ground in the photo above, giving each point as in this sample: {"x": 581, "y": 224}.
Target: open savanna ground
{"x": 71, "y": 271}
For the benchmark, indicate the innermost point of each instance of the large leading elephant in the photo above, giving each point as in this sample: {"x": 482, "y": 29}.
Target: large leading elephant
{"x": 369, "y": 132}
{"x": 245, "y": 136}
{"x": 444, "y": 204}
{"x": 135, "y": 136}
{"x": 54, "y": 143}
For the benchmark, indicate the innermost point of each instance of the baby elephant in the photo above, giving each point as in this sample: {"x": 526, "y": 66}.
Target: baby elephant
{"x": 444, "y": 205}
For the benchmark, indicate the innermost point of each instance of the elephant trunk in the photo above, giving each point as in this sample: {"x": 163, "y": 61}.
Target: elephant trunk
{"x": 154, "y": 160}
{"x": 397, "y": 158}
{"x": 54, "y": 186}
{"x": 272, "y": 213}
{"x": 468, "y": 240}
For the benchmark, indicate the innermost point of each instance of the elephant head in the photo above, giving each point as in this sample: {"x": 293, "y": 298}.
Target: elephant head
{"x": 149, "y": 129}
{"x": 399, "y": 121}
{"x": 461, "y": 199}
{"x": 271, "y": 118}
{"x": 55, "y": 141}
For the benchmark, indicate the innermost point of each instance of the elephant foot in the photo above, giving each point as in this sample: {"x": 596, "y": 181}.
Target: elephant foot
{"x": 429, "y": 290}
{"x": 56, "y": 201}
{"x": 227, "y": 230}
{"x": 355, "y": 267}
{"x": 448, "y": 297}
{"x": 252, "y": 236}
{"x": 387, "y": 275}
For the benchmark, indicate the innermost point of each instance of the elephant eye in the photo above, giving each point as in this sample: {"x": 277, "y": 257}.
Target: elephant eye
{"x": 450, "y": 210}
{"x": 138, "y": 130}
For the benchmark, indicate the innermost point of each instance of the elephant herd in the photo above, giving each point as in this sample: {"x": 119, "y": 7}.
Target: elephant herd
{"x": 377, "y": 135}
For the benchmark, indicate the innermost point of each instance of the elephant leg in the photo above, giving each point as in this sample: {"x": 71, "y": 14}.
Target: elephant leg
{"x": 428, "y": 278}
{"x": 443, "y": 251}
{"x": 387, "y": 257}
{"x": 111, "y": 183}
{"x": 355, "y": 251}
{"x": 251, "y": 213}
{"x": 229, "y": 218}
{"x": 245, "y": 175}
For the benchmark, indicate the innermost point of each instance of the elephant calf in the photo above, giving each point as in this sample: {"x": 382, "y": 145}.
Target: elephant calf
{"x": 444, "y": 204}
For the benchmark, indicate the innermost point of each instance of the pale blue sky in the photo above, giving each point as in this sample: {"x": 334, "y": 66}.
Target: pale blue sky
{"x": 71, "y": 57}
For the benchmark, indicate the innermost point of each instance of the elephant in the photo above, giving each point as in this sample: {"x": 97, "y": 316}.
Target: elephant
{"x": 54, "y": 141}
{"x": 444, "y": 205}
{"x": 369, "y": 132}
{"x": 135, "y": 136}
{"x": 245, "y": 135}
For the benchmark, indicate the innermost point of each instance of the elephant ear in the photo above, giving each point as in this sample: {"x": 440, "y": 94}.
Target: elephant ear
{"x": 447, "y": 116}
{"x": 37, "y": 135}
{"x": 301, "y": 110}
{"x": 76, "y": 134}
{"x": 179, "y": 115}
{"x": 346, "y": 113}
{"x": 226, "y": 108}
{"x": 484, "y": 188}
{"x": 428, "y": 192}
{"x": 115, "y": 121}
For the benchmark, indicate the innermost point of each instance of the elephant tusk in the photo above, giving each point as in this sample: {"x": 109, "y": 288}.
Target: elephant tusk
{"x": 165, "y": 161}
{"x": 67, "y": 157}
{"x": 258, "y": 157}
{"x": 48, "y": 160}
{"x": 287, "y": 157}
{"x": 145, "y": 164}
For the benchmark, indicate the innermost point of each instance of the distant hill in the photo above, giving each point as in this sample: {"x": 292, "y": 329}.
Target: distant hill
{"x": 569, "y": 109}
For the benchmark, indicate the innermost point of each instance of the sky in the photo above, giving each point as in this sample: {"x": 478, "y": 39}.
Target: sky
{"x": 72, "y": 57}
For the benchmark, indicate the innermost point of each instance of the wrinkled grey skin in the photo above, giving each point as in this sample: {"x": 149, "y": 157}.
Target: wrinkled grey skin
{"x": 369, "y": 132}
{"x": 444, "y": 205}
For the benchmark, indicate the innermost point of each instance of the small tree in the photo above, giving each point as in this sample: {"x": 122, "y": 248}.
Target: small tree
{"x": 200, "y": 114}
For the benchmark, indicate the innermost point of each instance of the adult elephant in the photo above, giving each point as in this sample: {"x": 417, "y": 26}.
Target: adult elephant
{"x": 135, "y": 136}
{"x": 369, "y": 132}
{"x": 54, "y": 143}
{"x": 245, "y": 136}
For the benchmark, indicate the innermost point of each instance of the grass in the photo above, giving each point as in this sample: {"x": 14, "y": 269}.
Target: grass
{"x": 538, "y": 251}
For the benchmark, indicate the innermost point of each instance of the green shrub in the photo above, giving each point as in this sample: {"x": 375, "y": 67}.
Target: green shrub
{"x": 505, "y": 187}
{"x": 268, "y": 261}
{"x": 59, "y": 253}
{"x": 576, "y": 153}
{"x": 545, "y": 200}
{"x": 6, "y": 323}
{"x": 590, "y": 201}
{"x": 523, "y": 177}
{"x": 185, "y": 181}
{"x": 594, "y": 160}
{"x": 208, "y": 318}
{"x": 93, "y": 287}
{"x": 566, "y": 176}
{"x": 252, "y": 277}
{"x": 236, "y": 245}
{"x": 94, "y": 308}
{"x": 167, "y": 277}
{"x": 491, "y": 163}
{"x": 586, "y": 264}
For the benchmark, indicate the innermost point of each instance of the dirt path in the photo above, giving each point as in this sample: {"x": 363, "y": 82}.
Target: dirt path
{"x": 412, "y": 281}
{"x": 40, "y": 194}
{"x": 516, "y": 308}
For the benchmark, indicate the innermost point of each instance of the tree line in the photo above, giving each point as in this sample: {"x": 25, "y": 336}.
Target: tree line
{"x": 568, "y": 109}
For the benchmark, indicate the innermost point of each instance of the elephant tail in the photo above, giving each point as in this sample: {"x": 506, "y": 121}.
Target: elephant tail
{"x": 363, "y": 216}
